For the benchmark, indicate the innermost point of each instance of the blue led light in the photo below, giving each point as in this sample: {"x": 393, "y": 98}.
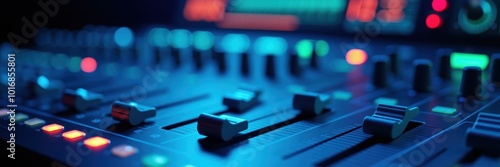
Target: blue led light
{"x": 270, "y": 45}
{"x": 43, "y": 81}
{"x": 180, "y": 38}
{"x": 158, "y": 37}
{"x": 124, "y": 37}
{"x": 235, "y": 43}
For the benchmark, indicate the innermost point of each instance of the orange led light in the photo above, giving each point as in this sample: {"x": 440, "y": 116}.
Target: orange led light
{"x": 96, "y": 142}
{"x": 73, "y": 135}
{"x": 356, "y": 56}
{"x": 52, "y": 128}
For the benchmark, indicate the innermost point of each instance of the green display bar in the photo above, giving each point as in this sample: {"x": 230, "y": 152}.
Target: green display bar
{"x": 461, "y": 60}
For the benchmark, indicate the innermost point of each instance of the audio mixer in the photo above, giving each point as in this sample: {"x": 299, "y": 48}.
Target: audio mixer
{"x": 198, "y": 83}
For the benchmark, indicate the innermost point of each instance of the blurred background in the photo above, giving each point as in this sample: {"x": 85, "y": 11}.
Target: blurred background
{"x": 429, "y": 20}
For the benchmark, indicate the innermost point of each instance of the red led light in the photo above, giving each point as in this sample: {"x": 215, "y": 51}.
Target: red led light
{"x": 433, "y": 21}
{"x": 361, "y": 10}
{"x": 88, "y": 65}
{"x": 205, "y": 10}
{"x": 439, "y": 5}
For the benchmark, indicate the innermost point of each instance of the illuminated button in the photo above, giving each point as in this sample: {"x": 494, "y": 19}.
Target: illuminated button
{"x": 154, "y": 160}
{"x": 342, "y": 95}
{"x": 444, "y": 110}
{"x": 52, "y": 128}
{"x": 4, "y": 112}
{"x": 21, "y": 117}
{"x": 123, "y": 151}
{"x": 385, "y": 100}
{"x": 34, "y": 122}
{"x": 73, "y": 135}
{"x": 96, "y": 142}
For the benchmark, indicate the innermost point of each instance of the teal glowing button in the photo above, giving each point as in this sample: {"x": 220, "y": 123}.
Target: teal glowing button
{"x": 124, "y": 37}
{"x": 322, "y": 48}
{"x": 180, "y": 38}
{"x": 203, "y": 40}
{"x": 295, "y": 88}
{"x": 385, "y": 100}
{"x": 342, "y": 95}
{"x": 304, "y": 49}
{"x": 154, "y": 160}
{"x": 270, "y": 45}
{"x": 462, "y": 60}
{"x": 20, "y": 117}
{"x": 235, "y": 43}
{"x": 74, "y": 64}
{"x": 158, "y": 37}
{"x": 444, "y": 110}
{"x": 34, "y": 122}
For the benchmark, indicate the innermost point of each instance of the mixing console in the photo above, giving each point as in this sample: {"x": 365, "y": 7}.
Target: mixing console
{"x": 260, "y": 83}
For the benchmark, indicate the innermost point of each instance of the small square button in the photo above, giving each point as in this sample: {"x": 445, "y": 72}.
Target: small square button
{"x": 96, "y": 142}
{"x": 20, "y": 117}
{"x": 124, "y": 151}
{"x": 52, "y": 128}
{"x": 34, "y": 122}
{"x": 444, "y": 110}
{"x": 73, "y": 135}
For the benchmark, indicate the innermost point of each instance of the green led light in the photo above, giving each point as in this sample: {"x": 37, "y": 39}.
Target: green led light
{"x": 322, "y": 48}
{"x": 203, "y": 40}
{"x": 74, "y": 64}
{"x": 304, "y": 48}
{"x": 461, "y": 60}
{"x": 444, "y": 110}
{"x": 385, "y": 100}
{"x": 342, "y": 95}
{"x": 270, "y": 45}
{"x": 154, "y": 160}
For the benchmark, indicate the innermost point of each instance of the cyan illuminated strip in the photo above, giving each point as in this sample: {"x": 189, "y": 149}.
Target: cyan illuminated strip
{"x": 461, "y": 60}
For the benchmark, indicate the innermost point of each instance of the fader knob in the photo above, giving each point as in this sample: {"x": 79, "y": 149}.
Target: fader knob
{"x": 270, "y": 66}
{"x": 294, "y": 64}
{"x": 131, "y": 113}
{"x": 245, "y": 64}
{"x": 422, "y": 75}
{"x": 444, "y": 69}
{"x": 495, "y": 69}
{"x": 198, "y": 59}
{"x": 393, "y": 53}
{"x": 470, "y": 87}
{"x": 380, "y": 69}
{"x": 314, "y": 59}
{"x": 221, "y": 61}
{"x": 176, "y": 56}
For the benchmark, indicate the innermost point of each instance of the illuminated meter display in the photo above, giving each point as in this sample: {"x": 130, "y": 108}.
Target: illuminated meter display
{"x": 381, "y": 16}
